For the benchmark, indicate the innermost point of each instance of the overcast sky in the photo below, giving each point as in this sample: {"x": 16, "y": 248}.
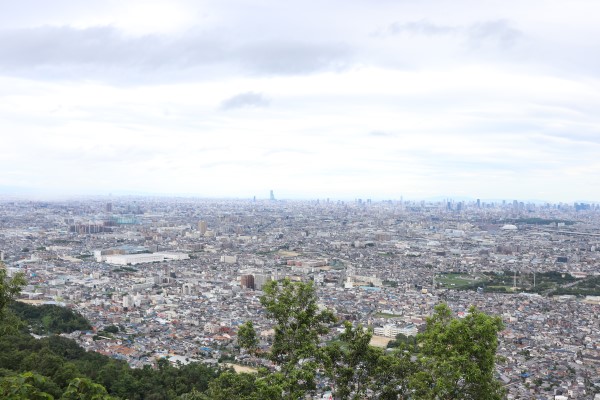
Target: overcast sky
{"x": 313, "y": 99}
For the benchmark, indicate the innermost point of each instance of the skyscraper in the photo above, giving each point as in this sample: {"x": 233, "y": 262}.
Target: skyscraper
{"x": 202, "y": 227}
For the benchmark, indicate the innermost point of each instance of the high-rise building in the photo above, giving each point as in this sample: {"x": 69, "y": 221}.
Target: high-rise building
{"x": 260, "y": 280}
{"x": 109, "y": 207}
{"x": 247, "y": 281}
{"x": 272, "y": 196}
{"x": 202, "y": 227}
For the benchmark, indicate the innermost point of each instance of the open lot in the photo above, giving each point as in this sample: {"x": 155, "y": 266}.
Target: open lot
{"x": 380, "y": 341}
{"x": 242, "y": 368}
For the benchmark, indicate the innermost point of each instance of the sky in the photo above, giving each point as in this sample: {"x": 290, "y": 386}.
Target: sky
{"x": 343, "y": 99}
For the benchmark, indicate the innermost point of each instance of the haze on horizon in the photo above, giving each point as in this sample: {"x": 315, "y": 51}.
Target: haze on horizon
{"x": 346, "y": 99}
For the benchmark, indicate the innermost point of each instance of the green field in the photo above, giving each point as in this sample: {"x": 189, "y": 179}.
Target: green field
{"x": 548, "y": 283}
{"x": 458, "y": 281}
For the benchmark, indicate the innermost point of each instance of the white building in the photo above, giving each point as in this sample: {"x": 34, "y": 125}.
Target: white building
{"x": 132, "y": 259}
{"x": 229, "y": 259}
{"x": 392, "y": 330}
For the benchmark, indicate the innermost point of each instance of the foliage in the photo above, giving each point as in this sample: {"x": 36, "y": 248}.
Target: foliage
{"x": 9, "y": 287}
{"x": 358, "y": 370}
{"x": 457, "y": 357}
{"x": 247, "y": 338}
{"x": 85, "y": 389}
{"x": 111, "y": 329}
{"x": 403, "y": 340}
{"x": 585, "y": 287}
{"x": 299, "y": 325}
{"x": 30, "y": 386}
{"x": 50, "y": 318}
{"x": 453, "y": 358}
{"x": 23, "y": 387}
{"x": 392, "y": 376}
{"x": 351, "y": 362}
{"x": 60, "y": 360}
{"x": 502, "y": 282}
{"x": 230, "y": 385}
{"x": 10, "y": 324}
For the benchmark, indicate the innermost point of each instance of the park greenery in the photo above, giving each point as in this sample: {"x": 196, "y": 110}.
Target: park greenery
{"x": 452, "y": 359}
{"x": 49, "y": 318}
{"x": 551, "y": 283}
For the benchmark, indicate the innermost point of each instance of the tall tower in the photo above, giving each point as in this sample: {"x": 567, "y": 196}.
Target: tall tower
{"x": 202, "y": 227}
{"x": 272, "y": 196}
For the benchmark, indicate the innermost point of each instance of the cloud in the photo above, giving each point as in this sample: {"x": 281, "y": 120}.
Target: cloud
{"x": 243, "y": 100}
{"x": 380, "y": 134}
{"x": 499, "y": 32}
{"x": 451, "y": 96}
{"x": 105, "y": 53}
{"x": 294, "y": 57}
{"x": 422, "y": 27}
{"x": 65, "y": 46}
{"x": 287, "y": 151}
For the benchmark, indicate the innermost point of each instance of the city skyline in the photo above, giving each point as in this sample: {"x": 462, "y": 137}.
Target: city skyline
{"x": 344, "y": 100}
{"x": 447, "y": 202}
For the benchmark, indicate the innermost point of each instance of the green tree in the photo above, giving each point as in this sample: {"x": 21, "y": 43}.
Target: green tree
{"x": 391, "y": 376}
{"x": 403, "y": 340}
{"x": 85, "y": 389}
{"x": 44, "y": 362}
{"x": 193, "y": 395}
{"x": 10, "y": 287}
{"x": 457, "y": 357}
{"x": 299, "y": 324}
{"x": 351, "y": 362}
{"x": 23, "y": 387}
{"x": 49, "y": 318}
{"x": 230, "y": 385}
{"x": 453, "y": 359}
{"x": 358, "y": 370}
{"x": 65, "y": 374}
{"x": 247, "y": 338}
{"x": 111, "y": 329}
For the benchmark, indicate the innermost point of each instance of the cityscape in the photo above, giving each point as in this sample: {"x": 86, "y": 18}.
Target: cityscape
{"x": 180, "y": 275}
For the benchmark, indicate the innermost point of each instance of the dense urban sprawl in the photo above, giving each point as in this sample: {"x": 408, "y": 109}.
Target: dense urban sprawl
{"x": 178, "y": 276}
